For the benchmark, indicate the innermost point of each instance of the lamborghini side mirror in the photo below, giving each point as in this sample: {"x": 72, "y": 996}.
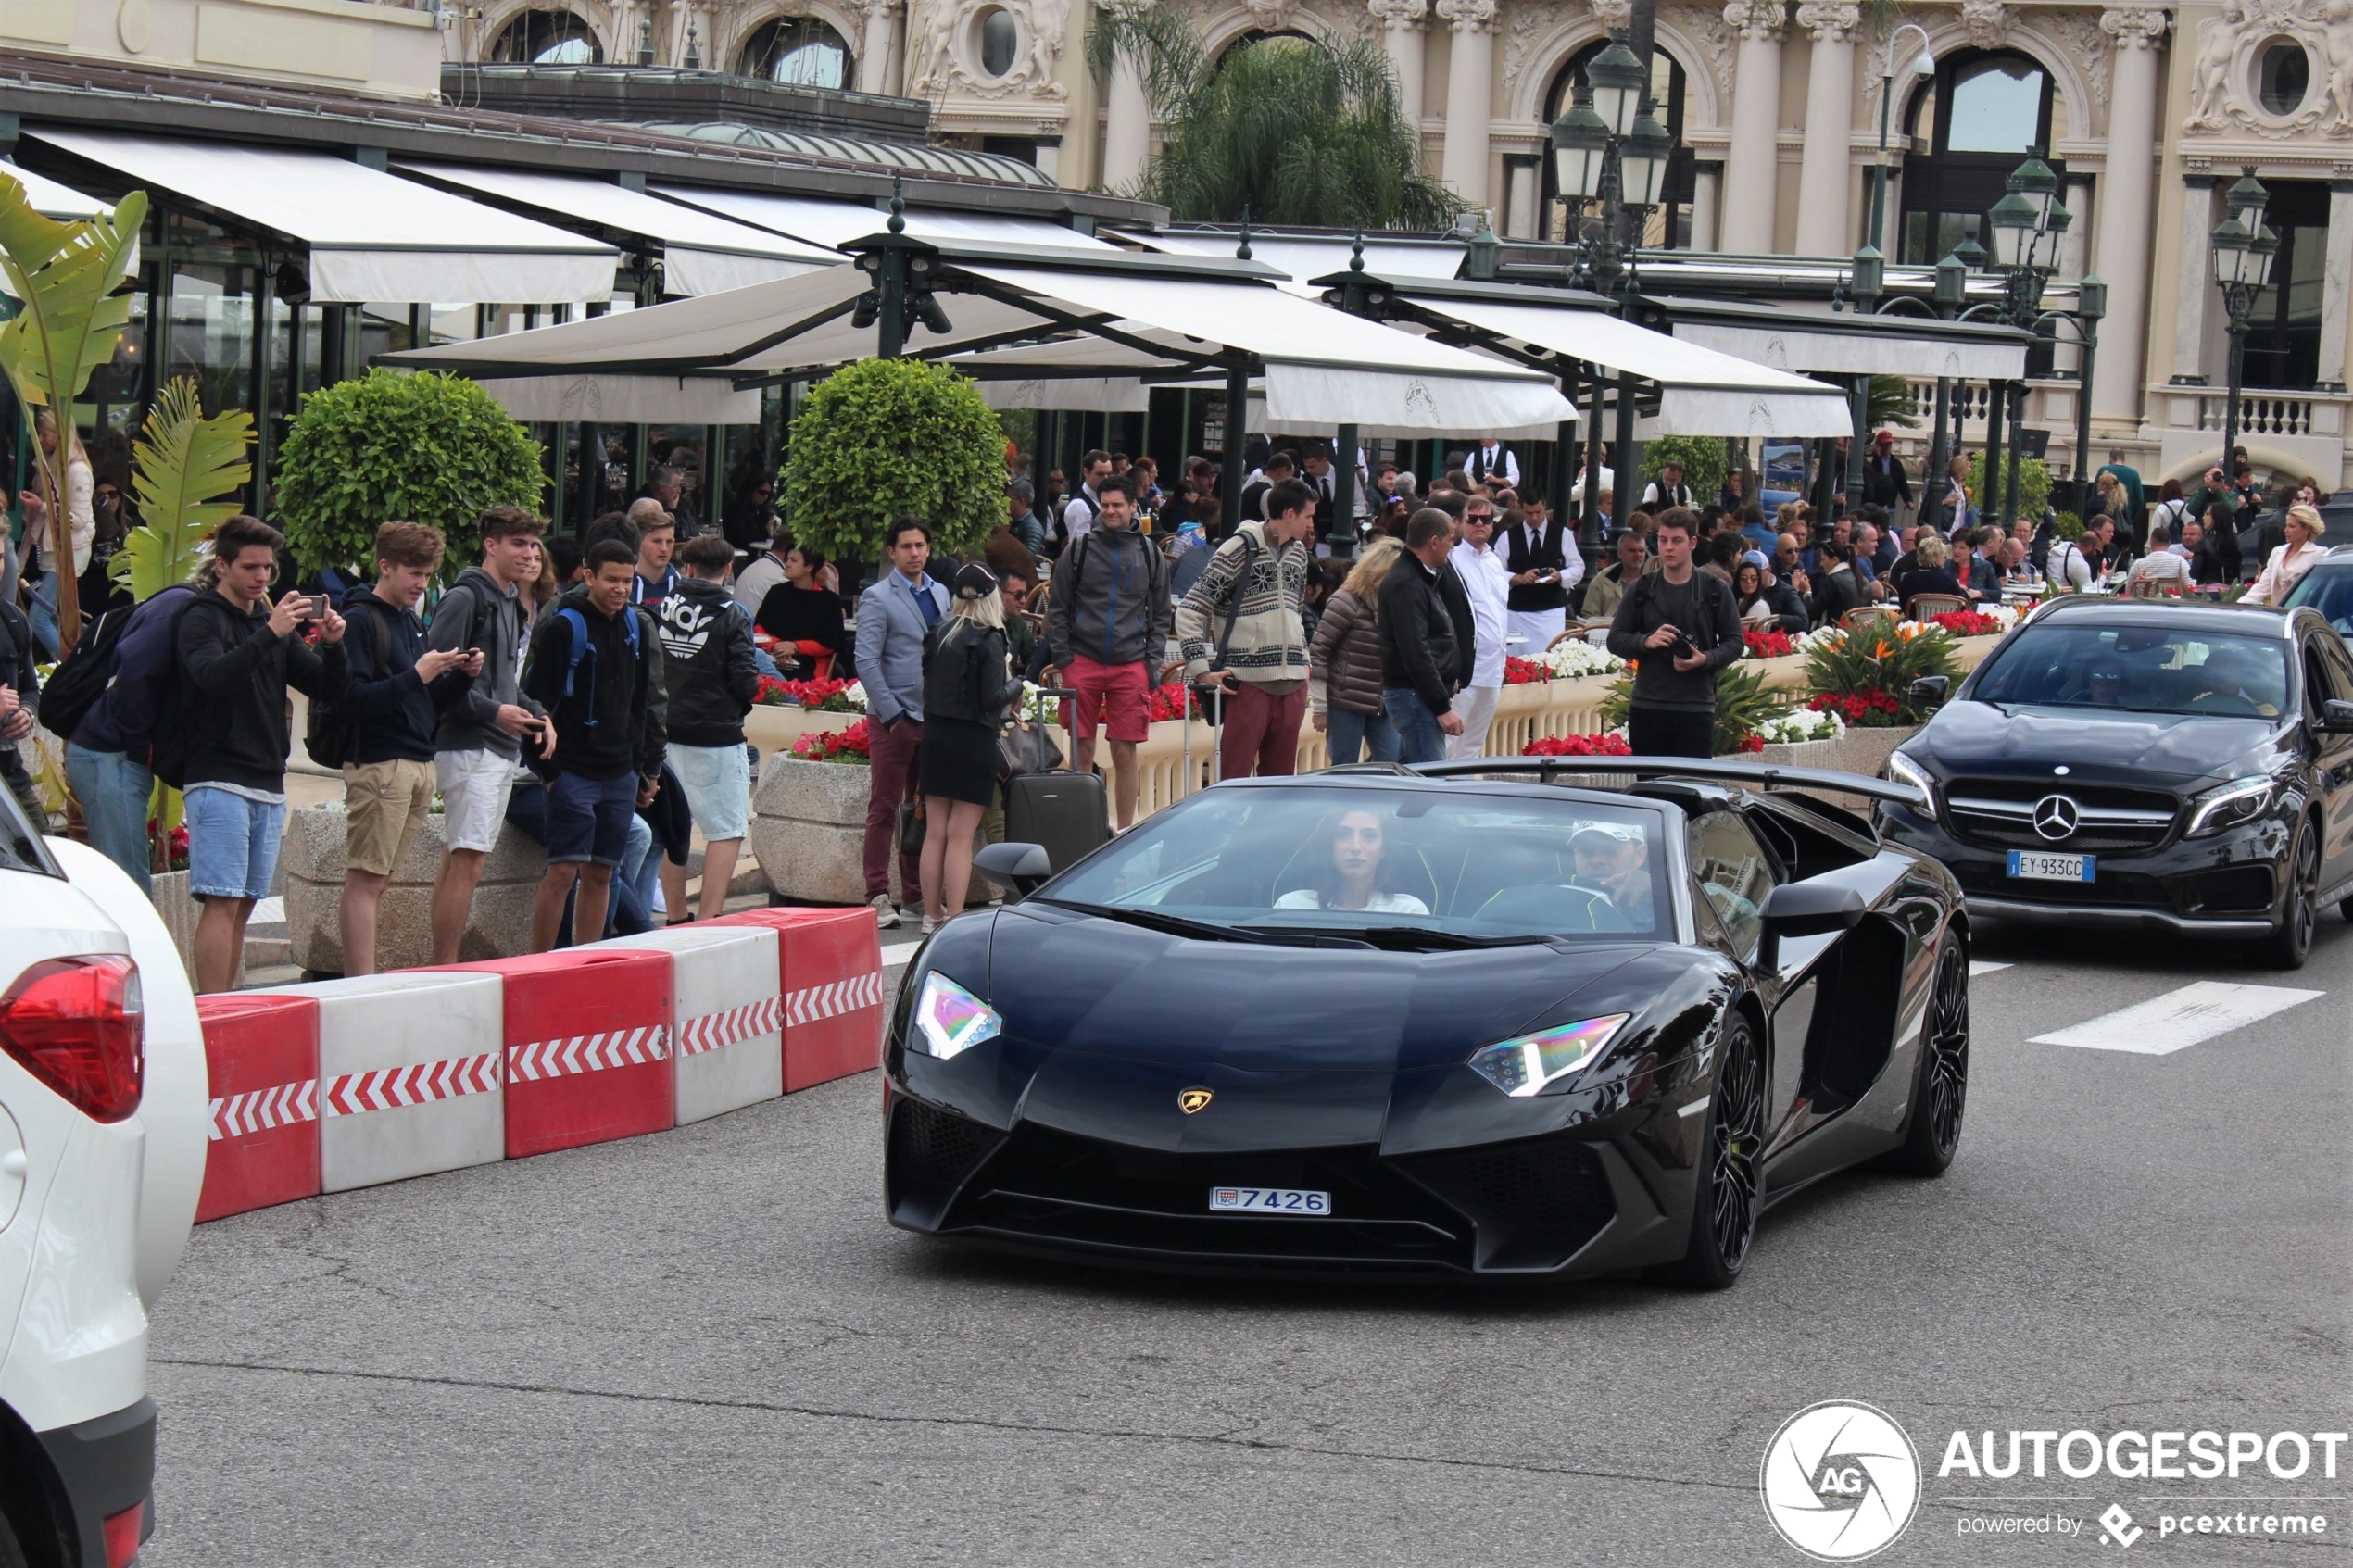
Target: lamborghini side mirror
{"x": 1019, "y": 869}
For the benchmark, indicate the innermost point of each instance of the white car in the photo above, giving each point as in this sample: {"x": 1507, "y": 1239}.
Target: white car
{"x": 103, "y": 1114}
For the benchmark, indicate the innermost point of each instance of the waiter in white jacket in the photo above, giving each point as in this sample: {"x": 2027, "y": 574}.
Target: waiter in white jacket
{"x": 1488, "y": 585}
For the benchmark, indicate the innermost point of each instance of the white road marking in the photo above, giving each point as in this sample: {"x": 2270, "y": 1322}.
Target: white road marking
{"x": 2165, "y": 1025}
{"x": 1983, "y": 966}
{"x": 899, "y": 953}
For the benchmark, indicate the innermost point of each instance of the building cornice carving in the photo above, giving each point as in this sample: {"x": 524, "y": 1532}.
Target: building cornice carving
{"x": 1407, "y": 14}
{"x": 1468, "y": 16}
{"x": 2222, "y": 73}
{"x": 1987, "y": 22}
{"x": 1828, "y": 21}
{"x": 2135, "y": 27}
{"x": 945, "y": 28}
{"x": 1759, "y": 20}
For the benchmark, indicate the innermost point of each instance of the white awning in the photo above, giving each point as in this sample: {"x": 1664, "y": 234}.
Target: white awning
{"x": 1319, "y": 364}
{"x": 372, "y": 237}
{"x": 1701, "y": 392}
{"x": 1800, "y": 346}
{"x": 628, "y": 400}
{"x": 1304, "y": 257}
{"x": 833, "y": 223}
{"x": 51, "y": 199}
{"x": 701, "y": 253}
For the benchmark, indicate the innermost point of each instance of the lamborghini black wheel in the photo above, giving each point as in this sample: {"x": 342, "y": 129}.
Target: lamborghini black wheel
{"x": 1725, "y": 1202}
{"x": 1943, "y": 1091}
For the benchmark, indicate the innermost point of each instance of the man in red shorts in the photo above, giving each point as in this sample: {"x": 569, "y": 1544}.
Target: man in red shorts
{"x": 1107, "y": 621}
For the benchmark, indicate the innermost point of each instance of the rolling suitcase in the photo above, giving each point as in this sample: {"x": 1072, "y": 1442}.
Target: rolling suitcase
{"x": 1066, "y": 811}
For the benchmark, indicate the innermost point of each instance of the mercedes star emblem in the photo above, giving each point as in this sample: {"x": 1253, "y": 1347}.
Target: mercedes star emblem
{"x": 2056, "y": 817}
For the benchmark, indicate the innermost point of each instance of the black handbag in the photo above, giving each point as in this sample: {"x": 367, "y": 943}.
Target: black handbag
{"x": 910, "y": 810}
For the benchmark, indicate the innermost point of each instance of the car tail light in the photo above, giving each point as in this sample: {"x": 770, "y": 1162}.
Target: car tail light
{"x": 79, "y": 1025}
{"x": 123, "y": 1531}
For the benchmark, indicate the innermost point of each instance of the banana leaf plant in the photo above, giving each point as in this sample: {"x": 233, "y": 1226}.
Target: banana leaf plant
{"x": 64, "y": 277}
{"x": 181, "y": 463}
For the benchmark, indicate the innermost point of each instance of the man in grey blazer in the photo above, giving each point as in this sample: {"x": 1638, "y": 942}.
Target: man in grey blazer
{"x": 893, "y": 615}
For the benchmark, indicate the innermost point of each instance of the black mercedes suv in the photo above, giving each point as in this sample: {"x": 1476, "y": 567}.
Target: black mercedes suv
{"x": 2137, "y": 765}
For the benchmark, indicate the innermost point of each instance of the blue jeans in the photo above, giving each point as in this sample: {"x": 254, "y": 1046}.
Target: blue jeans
{"x": 1350, "y": 736}
{"x": 1419, "y": 737}
{"x": 233, "y": 844}
{"x": 640, "y": 869}
{"x": 40, "y": 609}
{"x": 114, "y": 791}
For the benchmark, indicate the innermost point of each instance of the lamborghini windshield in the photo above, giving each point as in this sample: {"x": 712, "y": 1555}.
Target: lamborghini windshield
{"x": 1412, "y": 863}
{"x": 2143, "y": 669}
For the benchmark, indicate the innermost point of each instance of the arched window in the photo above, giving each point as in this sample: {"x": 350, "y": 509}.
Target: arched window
{"x": 1670, "y": 224}
{"x": 1969, "y": 129}
{"x": 799, "y": 50}
{"x": 547, "y": 38}
{"x": 1259, "y": 35}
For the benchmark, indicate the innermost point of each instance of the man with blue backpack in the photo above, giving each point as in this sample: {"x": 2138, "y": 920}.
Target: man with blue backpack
{"x": 596, "y": 669}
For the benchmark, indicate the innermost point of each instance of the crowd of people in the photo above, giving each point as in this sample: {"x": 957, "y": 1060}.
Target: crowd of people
{"x": 593, "y": 692}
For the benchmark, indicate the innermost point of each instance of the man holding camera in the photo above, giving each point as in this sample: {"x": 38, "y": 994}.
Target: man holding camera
{"x": 1680, "y": 627}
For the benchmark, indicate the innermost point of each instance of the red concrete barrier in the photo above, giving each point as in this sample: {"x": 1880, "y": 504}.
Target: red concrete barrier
{"x": 830, "y": 975}
{"x": 261, "y": 1053}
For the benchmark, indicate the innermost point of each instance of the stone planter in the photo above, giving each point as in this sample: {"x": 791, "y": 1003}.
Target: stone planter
{"x": 180, "y": 908}
{"x": 1802, "y": 753}
{"x": 1866, "y": 751}
{"x": 807, "y": 828}
{"x": 313, "y": 868}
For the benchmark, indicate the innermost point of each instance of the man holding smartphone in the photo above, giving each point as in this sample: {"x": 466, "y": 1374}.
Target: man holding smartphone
{"x": 484, "y": 731}
{"x": 1679, "y": 626}
{"x": 1545, "y": 563}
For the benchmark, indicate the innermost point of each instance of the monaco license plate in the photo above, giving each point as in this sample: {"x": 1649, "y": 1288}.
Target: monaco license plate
{"x": 2036, "y": 866}
{"x": 1268, "y": 1200}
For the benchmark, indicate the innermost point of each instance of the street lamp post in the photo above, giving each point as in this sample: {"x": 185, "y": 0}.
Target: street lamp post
{"x": 1610, "y": 146}
{"x": 1952, "y": 284}
{"x": 1866, "y": 278}
{"x": 2028, "y": 224}
{"x": 2091, "y": 305}
{"x": 2244, "y": 247}
{"x": 1923, "y": 67}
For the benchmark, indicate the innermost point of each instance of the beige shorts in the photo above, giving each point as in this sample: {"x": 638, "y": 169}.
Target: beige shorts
{"x": 386, "y": 803}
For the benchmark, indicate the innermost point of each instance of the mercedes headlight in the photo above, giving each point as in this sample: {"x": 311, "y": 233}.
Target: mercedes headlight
{"x": 949, "y": 1020}
{"x": 1529, "y": 1064}
{"x": 1904, "y": 770}
{"x": 2227, "y": 806}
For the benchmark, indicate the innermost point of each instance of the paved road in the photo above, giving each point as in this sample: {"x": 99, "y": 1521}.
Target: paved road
{"x": 706, "y": 1347}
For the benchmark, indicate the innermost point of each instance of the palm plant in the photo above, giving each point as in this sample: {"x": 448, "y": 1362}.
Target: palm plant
{"x": 1284, "y": 130}
{"x": 181, "y": 463}
{"x": 1889, "y": 402}
{"x": 68, "y": 321}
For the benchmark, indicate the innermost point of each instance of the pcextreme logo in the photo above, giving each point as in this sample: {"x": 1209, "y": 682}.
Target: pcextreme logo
{"x": 1840, "y": 1480}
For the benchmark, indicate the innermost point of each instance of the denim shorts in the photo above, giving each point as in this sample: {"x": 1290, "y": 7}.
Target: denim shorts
{"x": 717, "y": 779}
{"x": 589, "y": 819}
{"x": 233, "y": 844}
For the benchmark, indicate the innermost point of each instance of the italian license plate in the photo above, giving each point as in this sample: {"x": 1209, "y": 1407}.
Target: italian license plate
{"x": 1268, "y": 1200}
{"x": 2036, "y": 866}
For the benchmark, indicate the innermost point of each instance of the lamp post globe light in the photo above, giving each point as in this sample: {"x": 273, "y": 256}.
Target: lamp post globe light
{"x": 1608, "y": 146}
{"x": 2028, "y": 225}
{"x": 2243, "y": 248}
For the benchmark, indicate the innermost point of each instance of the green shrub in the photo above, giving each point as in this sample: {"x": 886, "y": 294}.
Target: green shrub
{"x": 1703, "y": 458}
{"x": 1882, "y": 655}
{"x": 432, "y": 448}
{"x": 1742, "y": 704}
{"x": 2066, "y": 525}
{"x": 2034, "y": 486}
{"x": 882, "y": 438}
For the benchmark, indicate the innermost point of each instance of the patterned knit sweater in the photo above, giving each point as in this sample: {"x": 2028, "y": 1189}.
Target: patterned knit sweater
{"x": 1270, "y": 640}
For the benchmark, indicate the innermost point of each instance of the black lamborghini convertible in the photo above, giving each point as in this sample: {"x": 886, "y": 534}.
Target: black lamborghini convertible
{"x": 1456, "y": 1019}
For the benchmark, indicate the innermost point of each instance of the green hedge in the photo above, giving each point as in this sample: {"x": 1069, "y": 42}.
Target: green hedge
{"x": 884, "y": 437}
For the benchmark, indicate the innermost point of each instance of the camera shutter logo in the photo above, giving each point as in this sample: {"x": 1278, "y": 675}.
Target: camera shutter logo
{"x": 1839, "y": 1481}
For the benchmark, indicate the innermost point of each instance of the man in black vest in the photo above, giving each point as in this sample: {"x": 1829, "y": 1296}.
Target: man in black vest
{"x": 1541, "y": 555}
{"x": 1325, "y": 488}
{"x": 1493, "y": 460}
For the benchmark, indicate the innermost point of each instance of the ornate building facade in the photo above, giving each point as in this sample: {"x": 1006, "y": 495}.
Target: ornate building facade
{"x": 2148, "y": 111}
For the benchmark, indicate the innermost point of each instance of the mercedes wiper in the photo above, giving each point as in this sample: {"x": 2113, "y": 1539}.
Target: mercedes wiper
{"x": 1201, "y": 930}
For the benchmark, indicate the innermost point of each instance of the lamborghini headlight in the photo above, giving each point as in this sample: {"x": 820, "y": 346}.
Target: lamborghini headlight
{"x": 1525, "y": 1066}
{"x": 949, "y": 1020}
{"x": 2241, "y": 800}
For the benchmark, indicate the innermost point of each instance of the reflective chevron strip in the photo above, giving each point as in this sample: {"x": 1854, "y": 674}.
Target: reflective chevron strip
{"x": 587, "y": 1053}
{"x": 834, "y": 998}
{"x": 712, "y": 1030}
{"x": 388, "y": 1088}
{"x": 258, "y": 1111}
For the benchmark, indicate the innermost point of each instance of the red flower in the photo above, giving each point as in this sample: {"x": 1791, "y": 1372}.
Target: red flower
{"x": 1767, "y": 645}
{"x": 852, "y": 745}
{"x": 1525, "y": 672}
{"x": 1967, "y": 622}
{"x": 1578, "y": 745}
{"x": 1751, "y": 743}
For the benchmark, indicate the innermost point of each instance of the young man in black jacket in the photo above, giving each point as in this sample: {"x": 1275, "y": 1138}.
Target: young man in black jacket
{"x": 237, "y": 654}
{"x": 711, "y": 676}
{"x": 1680, "y": 626}
{"x": 596, "y": 669}
{"x": 1421, "y": 659}
{"x": 393, "y": 706}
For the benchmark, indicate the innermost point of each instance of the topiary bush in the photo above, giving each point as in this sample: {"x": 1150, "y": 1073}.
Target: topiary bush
{"x": 882, "y": 438}
{"x": 1703, "y": 458}
{"x": 431, "y": 447}
{"x": 2034, "y": 487}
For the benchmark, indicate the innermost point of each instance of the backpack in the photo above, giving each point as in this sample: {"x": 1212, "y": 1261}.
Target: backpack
{"x": 173, "y": 739}
{"x": 582, "y": 649}
{"x": 77, "y": 683}
{"x": 328, "y": 733}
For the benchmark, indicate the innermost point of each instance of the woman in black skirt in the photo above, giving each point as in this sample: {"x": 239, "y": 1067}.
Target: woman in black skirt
{"x": 969, "y": 690}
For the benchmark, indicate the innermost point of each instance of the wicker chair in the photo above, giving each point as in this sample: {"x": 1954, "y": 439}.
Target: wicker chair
{"x": 1572, "y": 632}
{"x": 1861, "y": 615}
{"x": 1928, "y": 606}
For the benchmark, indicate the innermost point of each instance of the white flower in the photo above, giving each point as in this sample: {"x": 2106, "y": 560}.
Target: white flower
{"x": 856, "y": 697}
{"x": 1798, "y": 724}
{"x": 1573, "y": 660}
